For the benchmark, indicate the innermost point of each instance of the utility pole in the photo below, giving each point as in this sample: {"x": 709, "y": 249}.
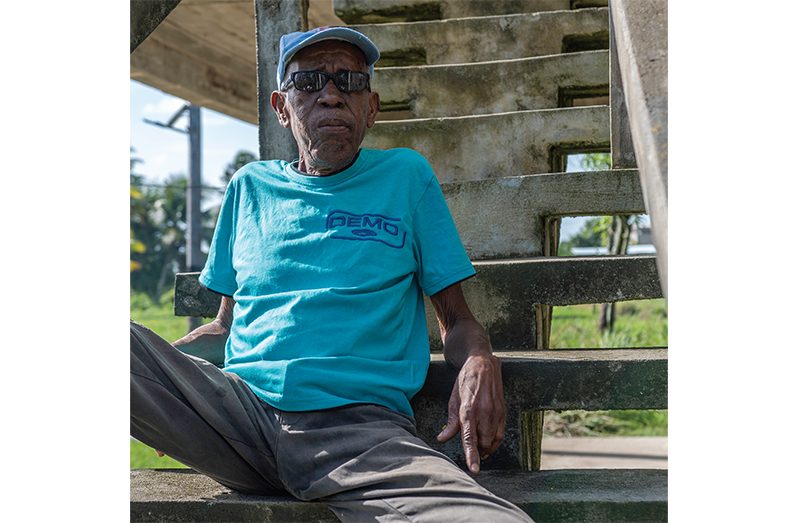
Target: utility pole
{"x": 193, "y": 189}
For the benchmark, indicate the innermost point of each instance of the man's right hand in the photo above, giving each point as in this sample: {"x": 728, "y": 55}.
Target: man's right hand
{"x": 206, "y": 342}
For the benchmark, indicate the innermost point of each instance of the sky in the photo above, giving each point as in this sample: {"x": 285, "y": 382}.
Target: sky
{"x": 165, "y": 152}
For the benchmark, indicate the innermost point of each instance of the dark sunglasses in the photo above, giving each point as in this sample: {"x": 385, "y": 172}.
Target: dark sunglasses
{"x": 312, "y": 81}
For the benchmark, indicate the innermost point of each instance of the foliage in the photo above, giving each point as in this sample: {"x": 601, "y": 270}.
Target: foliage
{"x": 241, "y": 159}
{"x": 572, "y": 423}
{"x": 595, "y": 161}
{"x": 158, "y": 223}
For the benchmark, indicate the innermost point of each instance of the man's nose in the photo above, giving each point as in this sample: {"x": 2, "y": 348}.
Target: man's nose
{"x": 330, "y": 96}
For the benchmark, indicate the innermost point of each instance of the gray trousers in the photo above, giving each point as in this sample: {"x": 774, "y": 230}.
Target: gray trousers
{"x": 364, "y": 461}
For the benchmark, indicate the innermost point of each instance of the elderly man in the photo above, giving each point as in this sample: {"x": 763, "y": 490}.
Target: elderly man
{"x": 322, "y": 263}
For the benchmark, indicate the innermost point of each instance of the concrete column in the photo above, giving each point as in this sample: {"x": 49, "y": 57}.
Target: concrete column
{"x": 273, "y": 18}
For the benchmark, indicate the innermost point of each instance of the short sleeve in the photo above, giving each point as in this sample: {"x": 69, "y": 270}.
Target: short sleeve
{"x": 218, "y": 274}
{"x": 442, "y": 259}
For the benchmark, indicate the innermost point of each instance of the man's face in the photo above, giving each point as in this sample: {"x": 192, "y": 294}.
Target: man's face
{"x": 328, "y": 125}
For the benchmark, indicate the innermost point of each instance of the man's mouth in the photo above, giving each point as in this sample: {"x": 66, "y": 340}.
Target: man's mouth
{"x": 333, "y": 125}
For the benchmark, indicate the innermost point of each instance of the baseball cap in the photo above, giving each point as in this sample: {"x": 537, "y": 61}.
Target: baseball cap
{"x": 292, "y": 43}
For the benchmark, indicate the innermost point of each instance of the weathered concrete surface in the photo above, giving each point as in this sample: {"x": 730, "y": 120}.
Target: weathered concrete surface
{"x": 604, "y": 453}
{"x": 554, "y": 495}
{"x": 464, "y": 40}
{"x": 641, "y": 31}
{"x": 379, "y": 11}
{"x": 494, "y": 145}
{"x": 274, "y": 18}
{"x": 503, "y": 293}
{"x": 145, "y": 17}
{"x": 552, "y": 380}
{"x": 501, "y": 217}
{"x": 489, "y": 87}
{"x": 621, "y": 145}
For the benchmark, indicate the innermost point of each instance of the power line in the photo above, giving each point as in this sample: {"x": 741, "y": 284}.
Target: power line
{"x": 162, "y": 185}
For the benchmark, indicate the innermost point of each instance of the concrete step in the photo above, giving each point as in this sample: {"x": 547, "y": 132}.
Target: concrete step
{"x": 509, "y": 223}
{"x": 503, "y": 37}
{"x": 181, "y": 495}
{"x": 490, "y": 87}
{"x": 562, "y": 379}
{"x": 380, "y": 11}
{"x": 503, "y": 293}
{"x": 495, "y": 145}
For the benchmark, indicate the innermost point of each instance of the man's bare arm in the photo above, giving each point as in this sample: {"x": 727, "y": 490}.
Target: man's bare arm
{"x": 476, "y": 406}
{"x": 208, "y": 341}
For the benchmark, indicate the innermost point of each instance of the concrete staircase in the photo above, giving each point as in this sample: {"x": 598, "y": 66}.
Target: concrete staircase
{"x": 495, "y": 94}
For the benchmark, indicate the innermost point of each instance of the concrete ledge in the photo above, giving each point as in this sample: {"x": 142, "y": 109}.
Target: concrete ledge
{"x": 563, "y": 379}
{"x": 503, "y": 293}
{"x": 496, "y": 145}
{"x": 503, "y": 37}
{"x": 548, "y": 496}
{"x": 489, "y": 87}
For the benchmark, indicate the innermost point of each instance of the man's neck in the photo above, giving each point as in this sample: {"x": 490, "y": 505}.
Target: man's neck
{"x": 303, "y": 167}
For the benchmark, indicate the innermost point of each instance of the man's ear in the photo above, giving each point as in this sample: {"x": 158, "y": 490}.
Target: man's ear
{"x": 278, "y": 104}
{"x": 374, "y": 108}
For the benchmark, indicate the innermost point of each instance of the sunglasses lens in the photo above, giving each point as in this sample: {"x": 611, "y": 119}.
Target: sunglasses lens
{"x": 345, "y": 81}
{"x": 308, "y": 81}
{"x": 351, "y": 81}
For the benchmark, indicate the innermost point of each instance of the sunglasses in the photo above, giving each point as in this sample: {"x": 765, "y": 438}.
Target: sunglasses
{"x": 312, "y": 81}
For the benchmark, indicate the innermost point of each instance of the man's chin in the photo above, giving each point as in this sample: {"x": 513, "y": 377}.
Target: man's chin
{"x": 334, "y": 156}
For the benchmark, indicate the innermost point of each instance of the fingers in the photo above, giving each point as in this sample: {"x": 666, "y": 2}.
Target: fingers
{"x": 160, "y": 454}
{"x": 470, "y": 445}
{"x": 451, "y": 428}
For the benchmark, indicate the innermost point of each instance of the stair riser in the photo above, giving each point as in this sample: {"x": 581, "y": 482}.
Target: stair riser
{"x": 467, "y": 40}
{"x": 502, "y": 218}
{"x": 502, "y": 295}
{"x": 491, "y": 87}
{"x": 381, "y": 11}
{"x": 492, "y": 146}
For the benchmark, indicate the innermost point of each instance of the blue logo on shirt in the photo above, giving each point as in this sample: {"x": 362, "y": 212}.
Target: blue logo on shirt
{"x": 366, "y": 227}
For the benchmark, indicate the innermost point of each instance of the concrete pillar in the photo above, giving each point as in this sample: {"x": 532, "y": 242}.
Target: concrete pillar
{"x": 273, "y": 18}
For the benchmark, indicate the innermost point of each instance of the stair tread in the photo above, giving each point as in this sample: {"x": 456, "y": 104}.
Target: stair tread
{"x": 603, "y": 494}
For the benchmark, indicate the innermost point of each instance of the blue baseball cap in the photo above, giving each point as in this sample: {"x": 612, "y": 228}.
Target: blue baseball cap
{"x": 292, "y": 43}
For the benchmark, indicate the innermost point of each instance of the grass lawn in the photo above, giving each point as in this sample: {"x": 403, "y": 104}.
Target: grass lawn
{"x": 638, "y": 324}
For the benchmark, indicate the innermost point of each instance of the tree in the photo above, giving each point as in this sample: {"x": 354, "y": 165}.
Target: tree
{"x": 240, "y": 160}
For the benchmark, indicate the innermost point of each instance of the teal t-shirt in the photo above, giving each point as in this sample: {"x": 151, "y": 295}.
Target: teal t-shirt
{"x": 327, "y": 274}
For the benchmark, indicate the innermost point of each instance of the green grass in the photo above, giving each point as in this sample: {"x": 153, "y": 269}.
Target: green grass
{"x": 160, "y": 318}
{"x": 642, "y": 323}
{"x": 144, "y": 457}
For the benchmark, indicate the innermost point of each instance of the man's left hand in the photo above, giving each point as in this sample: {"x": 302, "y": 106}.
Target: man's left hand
{"x": 476, "y": 408}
